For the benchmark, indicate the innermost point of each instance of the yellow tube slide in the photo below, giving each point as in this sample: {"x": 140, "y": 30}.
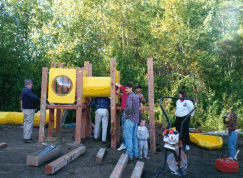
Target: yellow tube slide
{"x": 207, "y": 141}
{"x": 17, "y": 118}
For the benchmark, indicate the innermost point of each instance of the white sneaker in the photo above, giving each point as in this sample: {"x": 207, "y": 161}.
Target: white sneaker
{"x": 122, "y": 147}
{"x": 187, "y": 147}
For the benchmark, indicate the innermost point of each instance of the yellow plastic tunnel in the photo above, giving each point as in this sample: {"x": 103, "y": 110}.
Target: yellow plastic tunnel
{"x": 17, "y": 118}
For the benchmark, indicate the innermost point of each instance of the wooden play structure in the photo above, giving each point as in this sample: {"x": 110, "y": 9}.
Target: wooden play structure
{"x": 86, "y": 87}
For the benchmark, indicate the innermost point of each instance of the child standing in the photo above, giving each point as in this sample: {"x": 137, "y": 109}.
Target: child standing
{"x": 142, "y": 135}
{"x": 232, "y": 134}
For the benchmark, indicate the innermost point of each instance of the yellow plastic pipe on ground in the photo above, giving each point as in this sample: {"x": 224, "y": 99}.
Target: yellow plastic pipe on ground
{"x": 17, "y": 118}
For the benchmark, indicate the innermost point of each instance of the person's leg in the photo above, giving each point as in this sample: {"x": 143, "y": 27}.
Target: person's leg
{"x": 232, "y": 144}
{"x": 178, "y": 124}
{"x": 123, "y": 117}
{"x": 185, "y": 134}
{"x": 104, "y": 124}
{"x": 140, "y": 147}
{"x": 28, "y": 122}
{"x": 64, "y": 116}
{"x": 97, "y": 123}
{"x": 135, "y": 140}
{"x": 128, "y": 128}
{"x": 145, "y": 143}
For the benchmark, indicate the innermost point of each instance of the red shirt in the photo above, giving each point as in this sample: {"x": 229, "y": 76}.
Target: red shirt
{"x": 124, "y": 97}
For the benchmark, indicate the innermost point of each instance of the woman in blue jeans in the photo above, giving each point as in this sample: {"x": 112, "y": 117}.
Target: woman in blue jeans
{"x": 232, "y": 134}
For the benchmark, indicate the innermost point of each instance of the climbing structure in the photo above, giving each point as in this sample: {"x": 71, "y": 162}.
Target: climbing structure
{"x": 70, "y": 89}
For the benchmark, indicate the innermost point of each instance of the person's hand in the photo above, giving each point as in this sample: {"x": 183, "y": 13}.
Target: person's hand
{"x": 118, "y": 85}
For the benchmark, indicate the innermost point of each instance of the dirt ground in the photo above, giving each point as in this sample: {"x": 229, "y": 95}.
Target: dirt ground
{"x": 201, "y": 162}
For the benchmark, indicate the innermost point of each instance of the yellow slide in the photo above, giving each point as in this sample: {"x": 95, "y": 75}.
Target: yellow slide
{"x": 206, "y": 141}
{"x": 17, "y": 118}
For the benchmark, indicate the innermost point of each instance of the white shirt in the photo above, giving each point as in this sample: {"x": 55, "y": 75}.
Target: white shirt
{"x": 184, "y": 108}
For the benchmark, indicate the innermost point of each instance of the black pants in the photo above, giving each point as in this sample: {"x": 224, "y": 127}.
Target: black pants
{"x": 185, "y": 131}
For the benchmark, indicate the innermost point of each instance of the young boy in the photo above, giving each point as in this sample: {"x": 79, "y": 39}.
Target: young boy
{"x": 131, "y": 122}
{"x": 142, "y": 135}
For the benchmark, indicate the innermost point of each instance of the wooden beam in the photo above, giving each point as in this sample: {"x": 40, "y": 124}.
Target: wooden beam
{"x": 64, "y": 160}
{"x": 120, "y": 166}
{"x": 141, "y": 108}
{"x": 151, "y": 104}
{"x": 113, "y": 102}
{"x": 88, "y": 119}
{"x": 51, "y": 123}
{"x": 2, "y": 145}
{"x": 118, "y": 116}
{"x": 43, "y": 104}
{"x": 58, "y": 111}
{"x": 138, "y": 170}
{"x": 79, "y": 104}
{"x": 62, "y": 107}
{"x": 100, "y": 154}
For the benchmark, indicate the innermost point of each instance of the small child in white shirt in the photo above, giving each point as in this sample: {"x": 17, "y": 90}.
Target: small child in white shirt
{"x": 143, "y": 135}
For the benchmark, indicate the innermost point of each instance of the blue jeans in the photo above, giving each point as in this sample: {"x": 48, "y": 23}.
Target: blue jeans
{"x": 123, "y": 117}
{"x": 232, "y": 143}
{"x": 130, "y": 130}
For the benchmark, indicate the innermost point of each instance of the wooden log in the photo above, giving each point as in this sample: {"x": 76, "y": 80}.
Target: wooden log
{"x": 2, "y": 145}
{"x": 83, "y": 126}
{"x": 79, "y": 104}
{"x": 120, "y": 166}
{"x": 113, "y": 102}
{"x": 151, "y": 104}
{"x": 51, "y": 123}
{"x": 64, "y": 160}
{"x": 138, "y": 170}
{"x": 100, "y": 154}
{"x": 43, "y": 104}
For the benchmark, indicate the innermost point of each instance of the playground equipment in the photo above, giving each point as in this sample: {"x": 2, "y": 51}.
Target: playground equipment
{"x": 70, "y": 86}
{"x": 177, "y": 160}
{"x": 17, "y": 118}
{"x": 206, "y": 141}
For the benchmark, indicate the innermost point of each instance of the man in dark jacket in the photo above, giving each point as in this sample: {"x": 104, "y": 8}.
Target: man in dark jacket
{"x": 28, "y": 106}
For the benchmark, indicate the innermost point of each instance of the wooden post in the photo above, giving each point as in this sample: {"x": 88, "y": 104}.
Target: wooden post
{"x": 58, "y": 115}
{"x": 43, "y": 104}
{"x": 113, "y": 103}
{"x": 88, "y": 119}
{"x": 51, "y": 123}
{"x": 151, "y": 104}
{"x": 79, "y": 104}
{"x": 118, "y": 121}
{"x": 51, "y": 113}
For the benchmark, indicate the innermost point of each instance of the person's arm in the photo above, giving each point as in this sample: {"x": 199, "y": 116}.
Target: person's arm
{"x": 120, "y": 94}
{"x": 225, "y": 122}
{"x": 143, "y": 101}
{"x": 190, "y": 107}
{"x": 21, "y": 104}
{"x": 128, "y": 108}
{"x": 122, "y": 88}
{"x": 32, "y": 96}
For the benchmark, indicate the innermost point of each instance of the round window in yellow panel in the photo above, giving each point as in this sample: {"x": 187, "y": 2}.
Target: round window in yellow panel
{"x": 62, "y": 85}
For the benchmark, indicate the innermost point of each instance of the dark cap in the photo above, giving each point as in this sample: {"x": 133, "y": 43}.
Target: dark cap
{"x": 138, "y": 86}
{"x": 28, "y": 81}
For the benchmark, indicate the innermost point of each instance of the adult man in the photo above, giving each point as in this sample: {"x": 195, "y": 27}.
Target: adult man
{"x": 28, "y": 106}
{"x": 131, "y": 121}
{"x": 101, "y": 114}
{"x": 124, "y": 96}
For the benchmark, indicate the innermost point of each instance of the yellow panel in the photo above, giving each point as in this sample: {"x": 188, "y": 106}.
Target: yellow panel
{"x": 68, "y": 98}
